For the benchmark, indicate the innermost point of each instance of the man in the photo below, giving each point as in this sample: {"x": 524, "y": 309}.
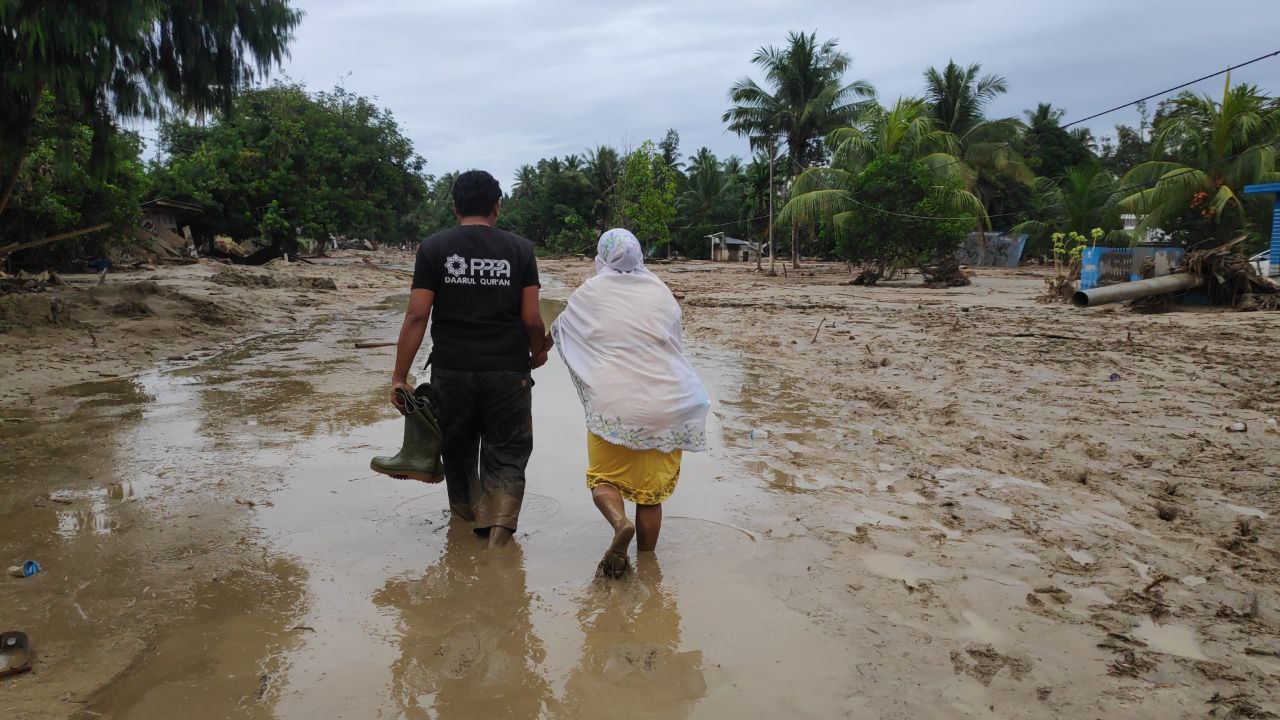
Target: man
{"x": 480, "y": 286}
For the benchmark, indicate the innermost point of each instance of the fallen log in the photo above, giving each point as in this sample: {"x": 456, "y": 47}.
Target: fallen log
{"x": 8, "y": 250}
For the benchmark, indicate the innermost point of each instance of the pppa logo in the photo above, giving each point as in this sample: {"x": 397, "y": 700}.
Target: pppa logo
{"x": 482, "y": 267}
{"x": 477, "y": 271}
{"x": 456, "y": 265}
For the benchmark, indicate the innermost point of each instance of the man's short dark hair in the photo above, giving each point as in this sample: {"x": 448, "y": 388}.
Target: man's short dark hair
{"x": 475, "y": 193}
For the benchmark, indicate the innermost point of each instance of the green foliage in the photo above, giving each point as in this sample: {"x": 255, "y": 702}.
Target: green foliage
{"x": 56, "y": 193}
{"x": 889, "y": 224}
{"x": 957, "y": 97}
{"x": 1069, "y": 247}
{"x": 646, "y": 196}
{"x": 551, "y": 203}
{"x": 1215, "y": 149}
{"x": 103, "y": 59}
{"x": 806, "y": 99}
{"x": 329, "y": 162}
{"x": 1049, "y": 149}
{"x": 1084, "y": 198}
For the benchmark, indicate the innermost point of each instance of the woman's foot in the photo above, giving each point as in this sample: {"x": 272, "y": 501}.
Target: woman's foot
{"x": 615, "y": 561}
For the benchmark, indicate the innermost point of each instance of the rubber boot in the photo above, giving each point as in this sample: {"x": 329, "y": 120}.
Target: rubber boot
{"x": 419, "y": 456}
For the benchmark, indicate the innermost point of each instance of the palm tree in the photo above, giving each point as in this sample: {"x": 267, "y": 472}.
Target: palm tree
{"x": 806, "y": 99}
{"x": 904, "y": 129}
{"x": 706, "y": 191}
{"x": 526, "y": 178}
{"x": 603, "y": 168}
{"x": 1219, "y": 148}
{"x": 1083, "y": 199}
{"x": 980, "y": 158}
{"x": 957, "y": 96}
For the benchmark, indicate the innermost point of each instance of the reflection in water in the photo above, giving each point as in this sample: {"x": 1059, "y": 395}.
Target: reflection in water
{"x": 467, "y": 644}
{"x": 630, "y": 665}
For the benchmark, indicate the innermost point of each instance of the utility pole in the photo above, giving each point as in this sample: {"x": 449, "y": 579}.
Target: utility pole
{"x": 772, "y": 254}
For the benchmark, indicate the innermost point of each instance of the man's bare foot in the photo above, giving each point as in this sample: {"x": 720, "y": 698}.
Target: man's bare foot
{"x": 615, "y": 561}
{"x": 498, "y": 537}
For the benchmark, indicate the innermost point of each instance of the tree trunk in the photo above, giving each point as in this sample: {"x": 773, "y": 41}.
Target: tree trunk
{"x": 10, "y": 178}
{"x": 772, "y": 250}
{"x": 795, "y": 245}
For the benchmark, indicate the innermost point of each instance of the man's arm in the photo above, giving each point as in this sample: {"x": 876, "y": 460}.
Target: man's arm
{"x": 539, "y": 341}
{"x": 411, "y": 334}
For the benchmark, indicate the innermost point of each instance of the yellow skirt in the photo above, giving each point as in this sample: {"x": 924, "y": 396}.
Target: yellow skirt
{"x": 645, "y": 477}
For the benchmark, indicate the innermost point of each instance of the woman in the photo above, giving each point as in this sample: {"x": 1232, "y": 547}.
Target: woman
{"x": 620, "y": 338}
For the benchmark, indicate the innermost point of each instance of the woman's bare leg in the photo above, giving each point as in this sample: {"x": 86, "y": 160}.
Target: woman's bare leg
{"x": 648, "y": 525}
{"x": 609, "y": 501}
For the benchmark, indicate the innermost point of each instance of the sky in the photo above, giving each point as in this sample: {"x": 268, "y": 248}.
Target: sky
{"x": 494, "y": 84}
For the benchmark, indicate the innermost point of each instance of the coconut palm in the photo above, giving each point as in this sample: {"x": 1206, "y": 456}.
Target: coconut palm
{"x": 603, "y": 167}
{"x": 958, "y": 97}
{"x": 905, "y": 129}
{"x": 705, "y": 192}
{"x": 806, "y": 99}
{"x": 980, "y": 157}
{"x": 1083, "y": 199}
{"x": 1219, "y": 148}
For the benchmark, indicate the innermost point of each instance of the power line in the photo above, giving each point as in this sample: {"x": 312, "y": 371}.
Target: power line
{"x": 1082, "y": 120}
{"x": 1175, "y": 88}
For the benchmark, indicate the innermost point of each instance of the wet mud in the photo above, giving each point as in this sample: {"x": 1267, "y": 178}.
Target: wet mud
{"x": 216, "y": 546}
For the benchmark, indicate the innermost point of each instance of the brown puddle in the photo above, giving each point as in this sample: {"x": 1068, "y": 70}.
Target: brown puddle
{"x": 218, "y": 547}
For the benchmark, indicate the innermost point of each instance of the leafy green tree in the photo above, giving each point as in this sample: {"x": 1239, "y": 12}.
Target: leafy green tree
{"x": 55, "y": 191}
{"x": 646, "y": 196}
{"x": 903, "y": 217}
{"x": 105, "y": 59}
{"x": 1216, "y": 148}
{"x": 552, "y": 200}
{"x": 335, "y": 163}
{"x": 807, "y": 98}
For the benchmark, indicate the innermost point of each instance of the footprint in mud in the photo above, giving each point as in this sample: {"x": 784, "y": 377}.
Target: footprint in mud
{"x": 984, "y": 662}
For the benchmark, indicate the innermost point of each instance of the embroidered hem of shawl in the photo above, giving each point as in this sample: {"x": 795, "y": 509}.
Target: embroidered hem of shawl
{"x": 615, "y": 431}
{"x": 692, "y": 439}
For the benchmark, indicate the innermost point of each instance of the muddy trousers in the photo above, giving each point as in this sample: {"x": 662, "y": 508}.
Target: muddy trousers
{"x": 488, "y": 437}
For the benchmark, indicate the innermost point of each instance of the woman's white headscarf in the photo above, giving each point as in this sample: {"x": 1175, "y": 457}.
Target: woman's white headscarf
{"x": 620, "y": 336}
{"x": 619, "y": 252}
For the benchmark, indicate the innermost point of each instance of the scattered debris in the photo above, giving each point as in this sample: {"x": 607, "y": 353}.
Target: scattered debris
{"x": 945, "y": 274}
{"x": 869, "y": 276}
{"x": 15, "y": 647}
{"x": 1230, "y": 280}
{"x": 25, "y": 570}
{"x": 1130, "y": 664}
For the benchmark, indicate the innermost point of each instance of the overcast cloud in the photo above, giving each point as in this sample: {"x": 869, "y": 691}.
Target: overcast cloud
{"x": 498, "y": 83}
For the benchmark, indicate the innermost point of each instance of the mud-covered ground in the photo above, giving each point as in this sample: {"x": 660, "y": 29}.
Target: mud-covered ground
{"x": 921, "y": 504}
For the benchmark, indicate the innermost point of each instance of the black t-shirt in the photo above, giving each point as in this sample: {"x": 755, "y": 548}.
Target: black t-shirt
{"x": 478, "y": 274}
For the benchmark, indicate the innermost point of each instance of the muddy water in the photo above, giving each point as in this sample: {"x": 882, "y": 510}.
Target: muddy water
{"x": 323, "y": 590}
